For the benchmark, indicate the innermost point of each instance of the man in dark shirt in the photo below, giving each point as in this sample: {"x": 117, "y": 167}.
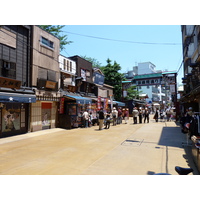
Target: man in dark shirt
{"x": 101, "y": 119}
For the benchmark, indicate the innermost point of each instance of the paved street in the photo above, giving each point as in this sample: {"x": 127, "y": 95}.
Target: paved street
{"x": 125, "y": 149}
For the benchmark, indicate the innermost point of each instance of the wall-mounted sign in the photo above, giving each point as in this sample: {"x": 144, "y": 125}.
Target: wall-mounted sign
{"x": 50, "y": 84}
{"x": 9, "y": 83}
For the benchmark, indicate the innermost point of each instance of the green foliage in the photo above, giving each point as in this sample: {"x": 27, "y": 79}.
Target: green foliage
{"x": 57, "y": 30}
{"x": 132, "y": 93}
{"x": 113, "y": 78}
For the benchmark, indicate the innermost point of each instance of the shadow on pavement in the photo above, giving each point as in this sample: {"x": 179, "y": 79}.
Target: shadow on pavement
{"x": 172, "y": 136}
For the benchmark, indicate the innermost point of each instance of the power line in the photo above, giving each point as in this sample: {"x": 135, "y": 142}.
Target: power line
{"x": 125, "y": 41}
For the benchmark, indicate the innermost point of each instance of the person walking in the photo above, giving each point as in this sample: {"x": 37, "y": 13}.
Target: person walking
{"x": 146, "y": 115}
{"x": 107, "y": 120}
{"x": 85, "y": 118}
{"x": 114, "y": 116}
{"x": 101, "y": 119}
{"x": 126, "y": 115}
{"x": 156, "y": 114}
{"x": 135, "y": 115}
{"x": 119, "y": 119}
{"x": 140, "y": 115}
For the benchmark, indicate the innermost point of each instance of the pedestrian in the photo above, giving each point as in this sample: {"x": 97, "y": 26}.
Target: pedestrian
{"x": 119, "y": 119}
{"x": 101, "y": 119}
{"x": 156, "y": 115}
{"x": 168, "y": 113}
{"x": 146, "y": 115}
{"x": 107, "y": 120}
{"x": 135, "y": 115}
{"x": 140, "y": 115}
{"x": 90, "y": 119}
{"x": 85, "y": 119}
{"x": 114, "y": 116}
{"x": 126, "y": 115}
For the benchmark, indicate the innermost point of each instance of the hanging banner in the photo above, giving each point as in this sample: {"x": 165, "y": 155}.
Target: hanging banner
{"x": 61, "y": 110}
{"x": 99, "y": 103}
{"x": 106, "y": 103}
{"x": 111, "y": 102}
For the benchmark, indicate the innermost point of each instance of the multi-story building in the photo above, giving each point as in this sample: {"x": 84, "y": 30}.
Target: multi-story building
{"x": 191, "y": 82}
{"x": 16, "y": 93}
{"x": 45, "y": 79}
{"x": 191, "y": 66}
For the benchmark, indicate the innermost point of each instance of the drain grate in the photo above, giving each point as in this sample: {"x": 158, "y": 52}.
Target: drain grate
{"x": 130, "y": 142}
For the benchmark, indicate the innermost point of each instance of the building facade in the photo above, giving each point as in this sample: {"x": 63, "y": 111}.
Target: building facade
{"x": 45, "y": 79}
{"x": 16, "y": 93}
{"x": 191, "y": 67}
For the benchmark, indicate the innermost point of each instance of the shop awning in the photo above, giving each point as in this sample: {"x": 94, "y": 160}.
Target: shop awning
{"x": 17, "y": 98}
{"x": 79, "y": 99}
{"x": 119, "y": 103}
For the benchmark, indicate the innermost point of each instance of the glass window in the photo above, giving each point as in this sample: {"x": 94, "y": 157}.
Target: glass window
{"x": 47, "y": 42}
{"x": 7, "y": 69}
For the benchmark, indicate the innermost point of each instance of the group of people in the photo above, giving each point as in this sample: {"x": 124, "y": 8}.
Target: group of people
{"x": 141, "y": 113}
{"x": 115, "y": 115}
{"x": 105, "y": 118}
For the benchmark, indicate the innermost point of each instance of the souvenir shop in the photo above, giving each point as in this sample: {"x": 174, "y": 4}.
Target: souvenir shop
{"x": 71, "y": 110}
{"x": 14, "y": 113}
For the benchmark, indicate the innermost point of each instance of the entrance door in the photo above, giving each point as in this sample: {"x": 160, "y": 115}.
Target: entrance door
{"x": 46, "y": 115}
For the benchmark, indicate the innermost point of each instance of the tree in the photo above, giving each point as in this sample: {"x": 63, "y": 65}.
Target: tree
{"x": 113, "y": 78}
{"x": 132, "y": 93}
{"x": 56, "y": 30}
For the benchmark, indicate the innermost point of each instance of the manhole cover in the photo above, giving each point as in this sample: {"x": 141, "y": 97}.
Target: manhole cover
{"x": 130, "y": 142}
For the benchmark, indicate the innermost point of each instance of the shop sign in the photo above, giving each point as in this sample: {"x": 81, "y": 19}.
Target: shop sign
{"x": 98, "y": 78}
{"x": 9, "y": 83}
{"x": 61, "y": 110}
{"x": 71, "y": 88}
{"x": 50, "y": 84}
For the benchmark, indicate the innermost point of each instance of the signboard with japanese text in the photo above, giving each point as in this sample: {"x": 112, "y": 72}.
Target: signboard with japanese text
{"x": 61, "y": 110}
{"x": 9, "y": 83}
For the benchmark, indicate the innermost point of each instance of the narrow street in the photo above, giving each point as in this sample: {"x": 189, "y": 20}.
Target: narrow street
{"x": 125, "y": 149}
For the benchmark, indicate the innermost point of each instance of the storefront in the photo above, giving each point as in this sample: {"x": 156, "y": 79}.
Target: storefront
{"x": 44, "y": 113}
{"x": 14, "y": 113}
{"x": 71, "y": 110}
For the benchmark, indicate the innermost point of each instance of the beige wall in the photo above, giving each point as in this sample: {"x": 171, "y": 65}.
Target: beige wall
{"x": 36, "y": 116}
{"x": 43, "y": 56}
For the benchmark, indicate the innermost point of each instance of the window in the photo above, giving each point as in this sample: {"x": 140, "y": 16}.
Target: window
{"x": 47, "y": 42}
{"x": 67, "y": 65}
{"x": 51, "y": 75}
{"x": 7, "y": 69}
{"x": 70, "y": 66}
{"x": 64, "y": 63}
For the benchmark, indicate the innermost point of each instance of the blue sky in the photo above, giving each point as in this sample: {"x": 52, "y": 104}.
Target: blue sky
{"x": 165, "y": 51}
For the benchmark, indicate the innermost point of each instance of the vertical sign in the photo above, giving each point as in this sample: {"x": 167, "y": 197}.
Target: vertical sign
{"x": 106, "y": 103}
{"x": 62, "y": 105}
{"x": 111, "y": 102}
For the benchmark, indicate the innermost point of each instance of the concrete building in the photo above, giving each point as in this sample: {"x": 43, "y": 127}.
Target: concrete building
{"x": 45, "y": 79}
{"x": 16, "y": 93}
